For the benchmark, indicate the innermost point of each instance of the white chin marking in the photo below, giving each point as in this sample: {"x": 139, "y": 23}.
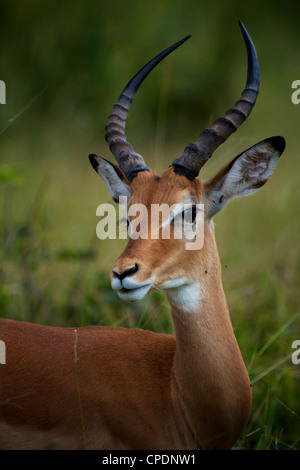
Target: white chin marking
{"x": 131, "y": 295}
{"x": 183, "y": 294}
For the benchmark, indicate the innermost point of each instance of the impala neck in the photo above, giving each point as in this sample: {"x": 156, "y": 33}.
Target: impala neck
{"x": 209, "y": 376}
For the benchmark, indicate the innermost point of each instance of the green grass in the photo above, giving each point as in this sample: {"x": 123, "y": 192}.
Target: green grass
{"x": 63, "y": 67}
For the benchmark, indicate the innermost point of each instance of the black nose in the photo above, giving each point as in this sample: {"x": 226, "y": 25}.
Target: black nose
{"x": 127, "y": 272}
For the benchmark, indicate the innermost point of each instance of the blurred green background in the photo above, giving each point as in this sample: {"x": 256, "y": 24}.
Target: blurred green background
{"x": 64, "y": 64}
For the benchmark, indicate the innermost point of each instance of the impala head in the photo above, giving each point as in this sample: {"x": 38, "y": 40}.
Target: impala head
{"x": 152, "y": 261}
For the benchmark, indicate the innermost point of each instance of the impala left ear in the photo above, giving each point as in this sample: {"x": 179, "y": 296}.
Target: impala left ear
{"x": 112, "y": 176}
{"x": 248, "y": 172}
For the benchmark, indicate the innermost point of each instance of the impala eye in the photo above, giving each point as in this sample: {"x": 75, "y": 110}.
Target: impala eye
{"x": 188, "y": 216}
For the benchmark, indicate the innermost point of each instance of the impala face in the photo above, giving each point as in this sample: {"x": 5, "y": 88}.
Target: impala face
{"x": 157, "y": 262}
{"x": 165, "y": 262}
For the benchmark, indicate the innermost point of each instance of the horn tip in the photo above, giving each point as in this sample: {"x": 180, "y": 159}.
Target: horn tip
{"x": 241, "y": 25}
{"x": 243, "y": 29}
{"x": 186, "y": 38}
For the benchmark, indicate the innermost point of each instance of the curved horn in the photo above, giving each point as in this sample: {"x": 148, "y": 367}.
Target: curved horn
{"x": 197, "y": 153}
{"x": 129, "y": 161}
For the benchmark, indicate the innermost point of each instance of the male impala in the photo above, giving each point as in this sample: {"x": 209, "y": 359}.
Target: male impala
{"x": 114, "y": 388}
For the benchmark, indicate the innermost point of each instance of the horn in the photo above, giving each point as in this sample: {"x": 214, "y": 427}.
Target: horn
{"x": 196, "y": 154}
{"x": 130, "y": 162}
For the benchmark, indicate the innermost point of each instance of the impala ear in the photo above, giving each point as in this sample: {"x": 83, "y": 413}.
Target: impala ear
{"x": 248, "y": 172}
{"x": 112, "y": 176}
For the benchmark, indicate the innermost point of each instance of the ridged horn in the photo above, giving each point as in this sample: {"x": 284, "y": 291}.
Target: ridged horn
{"x": 130, "y": 162}
{"x": 196, "y": 154}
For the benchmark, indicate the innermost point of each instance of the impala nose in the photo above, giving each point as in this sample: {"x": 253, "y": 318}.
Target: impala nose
{"x": 126, "y": 272}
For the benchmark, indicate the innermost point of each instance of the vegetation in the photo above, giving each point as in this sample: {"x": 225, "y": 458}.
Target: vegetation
{"x": 64, "y": 64}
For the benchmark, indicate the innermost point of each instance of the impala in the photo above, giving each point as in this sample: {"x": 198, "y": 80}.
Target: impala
{"x": 116, "y": 388}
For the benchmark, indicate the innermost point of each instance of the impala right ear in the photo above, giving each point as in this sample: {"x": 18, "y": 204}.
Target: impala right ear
{"x": 112, "y": 176}
{"x": 248, "y": 172}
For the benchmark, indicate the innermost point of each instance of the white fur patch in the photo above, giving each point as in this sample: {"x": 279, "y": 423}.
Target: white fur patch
{"x": 247, "y": 174}
{"x": 184, "y": 295}
{"x": 131, "y": 290}
{"x": 132, "y": 295}
{"x": 114, "y": 184}
{"x": 255, "y": 165}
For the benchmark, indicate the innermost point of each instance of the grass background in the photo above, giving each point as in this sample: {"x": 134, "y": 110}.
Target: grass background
{"x": 64, "y": 64}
